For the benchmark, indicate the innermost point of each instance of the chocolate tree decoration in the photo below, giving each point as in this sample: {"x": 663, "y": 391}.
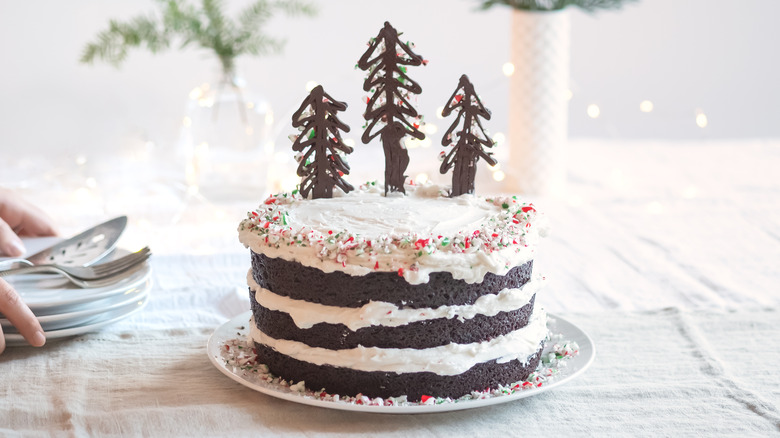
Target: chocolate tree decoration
{"x": 320, "y": 137}
{"x": 388, "y": 107}
{"x": 470, "y": 139}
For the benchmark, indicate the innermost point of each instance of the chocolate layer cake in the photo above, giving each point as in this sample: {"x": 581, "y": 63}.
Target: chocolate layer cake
{"x": 399, "y": 295}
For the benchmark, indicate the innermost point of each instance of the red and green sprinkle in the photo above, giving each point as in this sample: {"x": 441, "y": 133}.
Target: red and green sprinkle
{"x": 240, "y": 356}
{"x": 507, "y": 228}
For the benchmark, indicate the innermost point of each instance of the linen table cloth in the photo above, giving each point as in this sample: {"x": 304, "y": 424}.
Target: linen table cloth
{"x": 665, "y": 254}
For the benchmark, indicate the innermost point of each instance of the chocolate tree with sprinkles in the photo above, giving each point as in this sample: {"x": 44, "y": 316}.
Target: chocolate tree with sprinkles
{"x": 469, "y": 142}
{"x": 388, "y": 111}
{"x": 318, "y": 145}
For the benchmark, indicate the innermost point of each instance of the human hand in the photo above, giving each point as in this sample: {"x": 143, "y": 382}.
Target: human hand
{"x": 14, "y": 310}
{"x": 20, "y": 218}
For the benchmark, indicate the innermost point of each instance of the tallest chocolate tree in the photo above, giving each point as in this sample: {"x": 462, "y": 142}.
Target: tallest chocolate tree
{"x": 388, "y": 109}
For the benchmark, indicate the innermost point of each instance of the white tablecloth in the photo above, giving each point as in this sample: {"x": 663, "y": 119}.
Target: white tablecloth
{"x": 666, "y": 254}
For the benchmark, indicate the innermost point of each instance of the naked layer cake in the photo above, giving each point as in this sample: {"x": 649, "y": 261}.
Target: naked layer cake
{"x": 385, "y": 296}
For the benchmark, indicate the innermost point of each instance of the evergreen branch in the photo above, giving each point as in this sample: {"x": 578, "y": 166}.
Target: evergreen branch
{"x": 259, "y": 45}
{"x": 179, "y": 18}
{"x": 554, "y": 5}
{"x": 206, "y": 26}
{"x": 112, "y": 44}
{"x": 255, "y": 14}
{"x": 294, "y": 8}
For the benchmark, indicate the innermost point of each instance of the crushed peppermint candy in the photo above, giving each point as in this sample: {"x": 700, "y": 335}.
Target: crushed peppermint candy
{"x": 507, "y": 229}
{"x": 240, "y": 356}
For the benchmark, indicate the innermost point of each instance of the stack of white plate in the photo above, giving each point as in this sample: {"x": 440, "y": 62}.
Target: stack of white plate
{"x": 66, "y": 310}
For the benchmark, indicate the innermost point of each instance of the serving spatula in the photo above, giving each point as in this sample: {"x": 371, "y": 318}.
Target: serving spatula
{"x": 82, "y": 249}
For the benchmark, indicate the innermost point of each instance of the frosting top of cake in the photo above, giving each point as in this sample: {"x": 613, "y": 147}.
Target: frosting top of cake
{"x": 364, "y": 231}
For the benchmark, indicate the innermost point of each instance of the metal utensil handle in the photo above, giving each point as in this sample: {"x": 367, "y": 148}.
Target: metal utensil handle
{"x": 8, "y": 264}
{"x": 30, "y": 270}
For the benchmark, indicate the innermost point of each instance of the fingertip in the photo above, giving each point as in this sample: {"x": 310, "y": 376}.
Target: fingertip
{"x": 19, "y": 247}
{"x": 14, "y": 247}
{"x": 46, "y": 227}
{"x": 38, "y": 339}
{"x": 10, "y": 244}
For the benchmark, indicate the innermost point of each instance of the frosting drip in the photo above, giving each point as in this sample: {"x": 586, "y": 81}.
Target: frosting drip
{"x": 451, "y": 359}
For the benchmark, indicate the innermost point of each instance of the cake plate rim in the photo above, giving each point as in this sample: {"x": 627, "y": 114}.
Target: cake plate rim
{"x": 558, "y": 325}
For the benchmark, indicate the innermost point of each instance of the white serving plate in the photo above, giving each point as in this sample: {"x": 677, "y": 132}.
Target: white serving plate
{"x": 52, "y": 294}
{"x": 86, "y": 312}
{"x": 239, "y": 327}
{"x": 106, "y": 318}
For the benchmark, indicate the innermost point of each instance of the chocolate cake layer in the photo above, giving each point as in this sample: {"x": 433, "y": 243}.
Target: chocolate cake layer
{"x": 348, "y": 382}
{"x": 418, "y": 335}
{"x": 291, "y": 279}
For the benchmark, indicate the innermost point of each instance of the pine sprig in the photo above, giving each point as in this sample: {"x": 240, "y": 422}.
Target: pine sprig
{"x": 112, "y": 44}
{"x": 206, "y": 26}
{"x": 554, "y": 5}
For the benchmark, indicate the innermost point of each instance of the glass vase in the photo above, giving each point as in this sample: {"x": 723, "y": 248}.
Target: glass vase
{"x": 227, "y": 140}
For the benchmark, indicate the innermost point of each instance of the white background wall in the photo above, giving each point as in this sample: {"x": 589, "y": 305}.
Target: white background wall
{"x": 717, "y": 56}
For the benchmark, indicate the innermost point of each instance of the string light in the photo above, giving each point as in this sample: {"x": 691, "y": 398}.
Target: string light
{"x": 568, "y": 94}
{"x": 593, "y": 111}
{"x": 196, "y": 93}
{"x": 310, "y": 86}
{"x": 430, "y": 128}
{"x": 81, "y": 160}
{"x": 646, "y": 106}
{"x": 349, "y": 142}
{"x": 438, "y": 112}
{"x": 508, "y": 68}
{"x": 186, "y": 122}
{"x": 701, "y": 119}
{"x": 499, "y": 175}
{"x": 499, "y": 138}
{"x": 421, "y": 178}
{"x": 206, "y": 101}
{"x": 191, "y": 177}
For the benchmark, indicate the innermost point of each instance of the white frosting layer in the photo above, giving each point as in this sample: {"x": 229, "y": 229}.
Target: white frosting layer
{"x": 414, "y": 235}
{"x": 374, "y": 215}
{"x": 450, "y": 359}
{"x": 306, "y": 314}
